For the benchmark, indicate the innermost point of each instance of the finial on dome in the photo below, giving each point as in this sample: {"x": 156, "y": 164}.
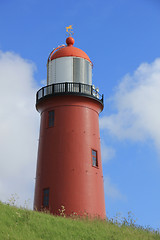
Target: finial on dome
{"x": 70, "y": 41}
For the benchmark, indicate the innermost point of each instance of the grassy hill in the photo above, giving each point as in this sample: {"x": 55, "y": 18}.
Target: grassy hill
{"x": 21, "y": 224}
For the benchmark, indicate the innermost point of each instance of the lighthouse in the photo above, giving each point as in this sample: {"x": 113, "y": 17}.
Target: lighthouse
{"x": 69, "y": 167}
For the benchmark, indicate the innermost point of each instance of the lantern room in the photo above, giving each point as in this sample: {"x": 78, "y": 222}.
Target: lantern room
{"x": 69, "y": 64}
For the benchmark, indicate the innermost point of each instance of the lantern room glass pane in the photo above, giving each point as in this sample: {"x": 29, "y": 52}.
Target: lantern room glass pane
{"x": 82, "y": 71}
{"x": 78, "y": 70}
{"x": 87, "y": 72}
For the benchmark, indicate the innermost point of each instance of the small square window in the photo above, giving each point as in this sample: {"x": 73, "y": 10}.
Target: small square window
{"x": 94, "y": 158}
{"x": 51, "y": 118}
{"x": 46, "y": 198}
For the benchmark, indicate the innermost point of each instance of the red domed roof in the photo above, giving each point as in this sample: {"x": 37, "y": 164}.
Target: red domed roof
{"x": 69, "y": 51}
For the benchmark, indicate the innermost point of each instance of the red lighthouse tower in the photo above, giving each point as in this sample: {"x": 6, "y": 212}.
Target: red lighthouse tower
{"x": 69, "y": 167}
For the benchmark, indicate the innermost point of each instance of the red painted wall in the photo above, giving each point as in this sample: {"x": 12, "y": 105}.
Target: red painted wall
{"x": 65, "y": 156}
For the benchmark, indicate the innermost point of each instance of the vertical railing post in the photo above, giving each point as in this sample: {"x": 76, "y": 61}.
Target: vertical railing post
{"x": 66, "y": 87}
{"x": 43, "y": 92}
{"x": 80, "y": 87}
{"x": 52, "y": 88}
{"x": 91, "y": 90}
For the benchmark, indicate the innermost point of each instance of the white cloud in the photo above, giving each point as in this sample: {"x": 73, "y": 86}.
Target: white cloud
{"x": 111, "y": 191}
{"x": 137, "y": 102}
{"x": 43, "y": 82}
{"x": 107, "y": 152}
{"x": 18, "y": 127}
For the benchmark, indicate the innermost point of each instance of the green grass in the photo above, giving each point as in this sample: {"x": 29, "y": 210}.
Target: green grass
{"x": 21, "y": 224}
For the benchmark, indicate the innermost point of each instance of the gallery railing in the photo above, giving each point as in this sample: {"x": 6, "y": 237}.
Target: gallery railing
{"x": 69, "y": 88}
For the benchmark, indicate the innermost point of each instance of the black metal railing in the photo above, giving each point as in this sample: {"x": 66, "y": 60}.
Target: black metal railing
{"x": 69, "y": 88}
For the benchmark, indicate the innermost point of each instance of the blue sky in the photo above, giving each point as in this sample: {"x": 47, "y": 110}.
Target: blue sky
{"x": 122, "y": 40}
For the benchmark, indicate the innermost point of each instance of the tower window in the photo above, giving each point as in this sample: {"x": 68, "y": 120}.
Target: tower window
{"x": 51, "y": 119}
{"x": 94, "y": 158}
{"x": 46, "y": 197}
